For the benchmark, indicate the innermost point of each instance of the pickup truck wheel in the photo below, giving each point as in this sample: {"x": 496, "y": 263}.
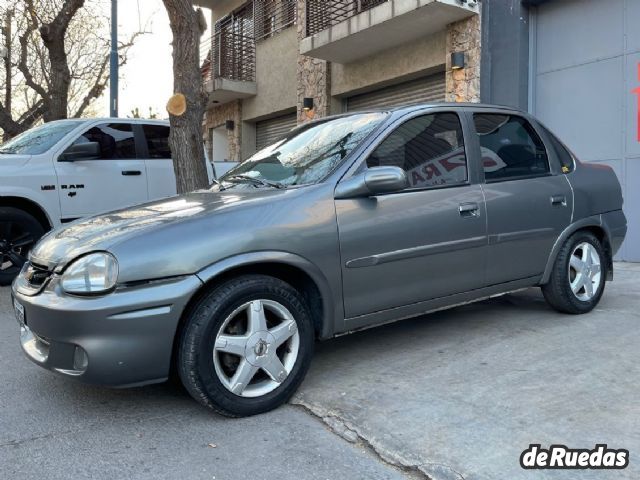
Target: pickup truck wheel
{"x": 246, "y": 346}
{"x": 578, "y": 277}
{"x": 19, "y": 231}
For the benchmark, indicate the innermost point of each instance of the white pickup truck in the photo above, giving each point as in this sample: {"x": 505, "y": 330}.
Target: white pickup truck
{"x": 67, "y": 169}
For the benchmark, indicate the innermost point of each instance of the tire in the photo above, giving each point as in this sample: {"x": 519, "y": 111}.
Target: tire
{"x": 19, "y": 232}
{"x": 224, "y": 338}
{"x": 565, "y": 276}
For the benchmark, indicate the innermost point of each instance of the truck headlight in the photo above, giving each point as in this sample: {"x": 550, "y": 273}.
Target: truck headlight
{"x": 93, "y": 273}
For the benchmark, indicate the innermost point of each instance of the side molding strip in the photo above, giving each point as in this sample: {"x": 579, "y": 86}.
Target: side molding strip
{"x": 414, "y": 252}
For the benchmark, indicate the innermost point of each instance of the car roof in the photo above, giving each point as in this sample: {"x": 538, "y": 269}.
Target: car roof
{"x": 469, "y": 105}
{"x": 395, "y": 112}
{"x": 113, "y": 120}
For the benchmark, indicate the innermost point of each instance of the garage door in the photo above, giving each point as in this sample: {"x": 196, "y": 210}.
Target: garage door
{"x": 421, "y": 90}
{"x": 268, "y": 131}
{"x": 586, "y": 66}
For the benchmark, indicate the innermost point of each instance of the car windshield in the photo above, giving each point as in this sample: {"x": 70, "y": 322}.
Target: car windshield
{"x": 307, "y": 154}
{"x": 39, "y": 139}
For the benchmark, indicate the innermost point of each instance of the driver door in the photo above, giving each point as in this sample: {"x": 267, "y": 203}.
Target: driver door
{"x": 425, "y": 242}
{"x": 118, "y": 178}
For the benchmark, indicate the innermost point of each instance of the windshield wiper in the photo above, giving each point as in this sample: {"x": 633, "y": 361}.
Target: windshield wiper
{"x": 7, "y": 152}
{"x": 254, "y": 180}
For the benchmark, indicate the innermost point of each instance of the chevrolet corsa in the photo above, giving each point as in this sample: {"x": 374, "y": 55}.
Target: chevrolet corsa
{"x": 347, "y": 222}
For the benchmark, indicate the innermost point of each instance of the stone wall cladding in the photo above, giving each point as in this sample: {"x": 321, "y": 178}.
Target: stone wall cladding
{"x": 464, "y": 36}
{"x": 217, "y": 116}
{"x": 313, "y": 76}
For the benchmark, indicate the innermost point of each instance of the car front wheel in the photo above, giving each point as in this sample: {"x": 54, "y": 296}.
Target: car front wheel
{"x": 246, "y": 346}
{"x": 578, "y": 277}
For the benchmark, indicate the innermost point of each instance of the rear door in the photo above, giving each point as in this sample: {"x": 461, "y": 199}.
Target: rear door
{"x": 116, "y": 179}
{"x": 161, "y": 176}
{"x": 529, "y": 201}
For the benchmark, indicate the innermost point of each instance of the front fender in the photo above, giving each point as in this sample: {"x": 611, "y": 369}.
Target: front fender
{"x": 332, "y": 309}
{"x": 44, "y": 201}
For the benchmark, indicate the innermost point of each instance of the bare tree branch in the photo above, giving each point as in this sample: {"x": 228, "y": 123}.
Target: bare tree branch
{"x": 59, "y": 63}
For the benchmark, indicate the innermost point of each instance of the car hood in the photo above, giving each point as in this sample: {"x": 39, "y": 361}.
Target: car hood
{"x": 102, "y": 232}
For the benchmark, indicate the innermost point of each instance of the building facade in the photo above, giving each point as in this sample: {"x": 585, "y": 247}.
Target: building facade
{"x": 575, "y": 64}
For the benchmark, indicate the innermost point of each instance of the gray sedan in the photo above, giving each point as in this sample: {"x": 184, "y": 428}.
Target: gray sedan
{"x": 345, "y": 223}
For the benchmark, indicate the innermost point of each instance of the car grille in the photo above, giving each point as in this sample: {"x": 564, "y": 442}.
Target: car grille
{"x": 36, "y": 275}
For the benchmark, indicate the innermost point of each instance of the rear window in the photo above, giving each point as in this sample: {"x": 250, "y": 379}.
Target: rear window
{"x": 565, "y": 157}
{"x": 510, "y": 147}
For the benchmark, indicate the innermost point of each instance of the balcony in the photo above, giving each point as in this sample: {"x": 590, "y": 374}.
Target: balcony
{"x": 229, "y": 58}
{"x": 342, "y": 31}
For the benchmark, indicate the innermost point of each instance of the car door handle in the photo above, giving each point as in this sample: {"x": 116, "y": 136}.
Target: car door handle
{"x": 469, "y": 209}
{"x": 559, "y": 200}
{"x": 131, "y": 173}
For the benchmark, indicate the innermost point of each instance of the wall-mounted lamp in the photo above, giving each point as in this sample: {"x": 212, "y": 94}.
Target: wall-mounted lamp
{"x": 307, "y": 104}
{"x": 457, "y": 60}
{"x": 230, "y": 125}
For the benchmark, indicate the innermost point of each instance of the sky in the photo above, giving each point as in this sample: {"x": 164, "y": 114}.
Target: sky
{"x": 146, "y": 81}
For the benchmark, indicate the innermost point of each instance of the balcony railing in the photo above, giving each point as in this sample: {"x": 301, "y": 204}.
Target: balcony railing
{"x": 273, "y": 16}
{"x": 322, "y": 14}
{"x": 230, "y": 53}
{"x": 234, "y": 46}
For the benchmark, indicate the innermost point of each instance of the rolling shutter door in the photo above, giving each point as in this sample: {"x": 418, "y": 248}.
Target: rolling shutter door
{"x": 268, "y": 131}
{"x": 421, "y": 90}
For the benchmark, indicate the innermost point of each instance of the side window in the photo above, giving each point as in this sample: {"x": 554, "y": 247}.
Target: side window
{"x": 116, "y": 141}
{"x": 157, "y": 141}
{"x": 565, "y": 157}
{"x": 510, "y": 147}
{"x": 429, "y": 148}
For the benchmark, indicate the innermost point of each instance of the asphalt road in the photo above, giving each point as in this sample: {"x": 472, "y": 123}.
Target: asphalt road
{"x": 54, "y": 428}
{"x": 453, "y": 395}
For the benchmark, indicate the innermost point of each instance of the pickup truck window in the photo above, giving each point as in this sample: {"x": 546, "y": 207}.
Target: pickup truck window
{"x": 116, "y": 140}
{"x": 510, "y": 147}
{"x": 39, "y": 139}
{"x": 157, "y": 141}
{"x": 429, "y": 148}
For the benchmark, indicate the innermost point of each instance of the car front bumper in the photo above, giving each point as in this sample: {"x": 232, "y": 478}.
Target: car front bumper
{"x": 124, "y": 338}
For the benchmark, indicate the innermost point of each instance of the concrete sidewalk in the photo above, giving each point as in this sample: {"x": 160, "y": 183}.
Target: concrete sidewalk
{"x": 460, "y": 394}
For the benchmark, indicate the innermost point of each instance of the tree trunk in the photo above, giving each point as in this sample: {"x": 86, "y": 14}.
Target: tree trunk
{"x": 185, "y": 138}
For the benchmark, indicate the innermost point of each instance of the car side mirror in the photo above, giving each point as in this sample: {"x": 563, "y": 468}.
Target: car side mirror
{"x": 373, "y": 181}
{"x": 81, "y": 151}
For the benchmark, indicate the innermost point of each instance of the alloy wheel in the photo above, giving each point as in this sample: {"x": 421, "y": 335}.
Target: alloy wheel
{"x": 256, "y": 348}
{"x": 15, "y": 242}
{"x": 585, "y": 271}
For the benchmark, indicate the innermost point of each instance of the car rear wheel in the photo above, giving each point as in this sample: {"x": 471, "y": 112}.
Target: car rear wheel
{"x": 246, "y": 346}
{"x": 578, "y": 277}
{"x": 19, "y": 231}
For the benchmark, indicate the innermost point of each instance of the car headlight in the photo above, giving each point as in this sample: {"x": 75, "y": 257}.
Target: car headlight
{"x": 93, "y": 273}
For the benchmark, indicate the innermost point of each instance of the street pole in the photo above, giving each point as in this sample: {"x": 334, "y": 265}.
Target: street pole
{"x": 7, "y": 59}
{"x": 113, "y": 65}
